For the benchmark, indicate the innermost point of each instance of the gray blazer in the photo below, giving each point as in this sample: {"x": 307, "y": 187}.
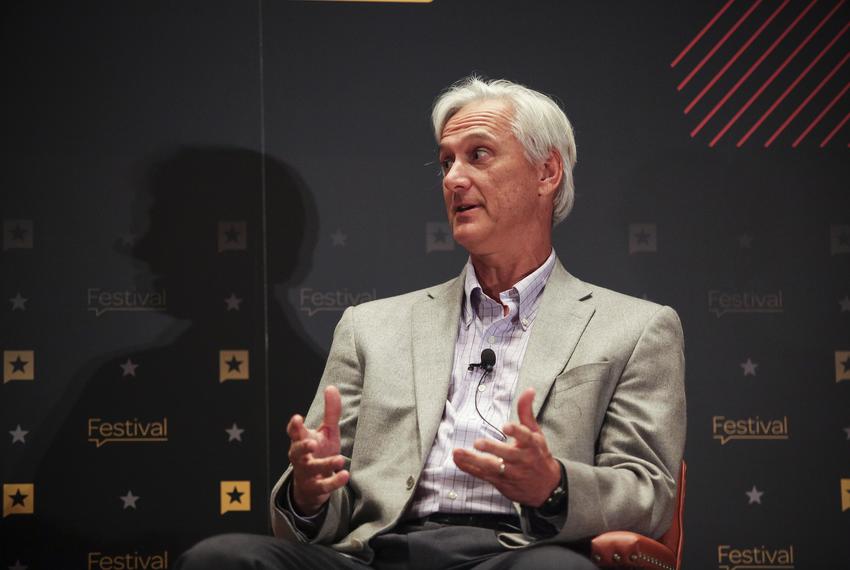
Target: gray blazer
{"x": 608, "y": 370}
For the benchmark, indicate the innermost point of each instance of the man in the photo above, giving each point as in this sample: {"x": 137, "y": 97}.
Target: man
{"x": 419, "y": 451}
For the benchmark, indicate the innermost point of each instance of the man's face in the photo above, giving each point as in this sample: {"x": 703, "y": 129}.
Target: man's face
{"x": 489, "y": 186}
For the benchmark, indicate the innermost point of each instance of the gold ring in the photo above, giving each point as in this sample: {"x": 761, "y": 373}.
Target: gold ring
{"x": 502, "y": 467}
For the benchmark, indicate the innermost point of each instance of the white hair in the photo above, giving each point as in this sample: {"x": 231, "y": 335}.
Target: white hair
{"x": 538, "y": 123}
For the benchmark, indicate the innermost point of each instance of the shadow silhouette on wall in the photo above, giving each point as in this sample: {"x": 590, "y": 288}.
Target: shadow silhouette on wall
{"x": 152, "y": 420}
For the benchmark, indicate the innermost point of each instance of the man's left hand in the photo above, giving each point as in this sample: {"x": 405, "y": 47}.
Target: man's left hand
{"x": 530, "y": 473}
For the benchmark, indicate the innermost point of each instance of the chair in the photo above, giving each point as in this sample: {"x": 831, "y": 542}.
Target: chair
{"x": 622, "y": 549}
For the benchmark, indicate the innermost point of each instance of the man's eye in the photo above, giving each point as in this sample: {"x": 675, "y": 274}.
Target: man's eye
{"x": 446, "y": 164}
{"x": 479, "y": 153}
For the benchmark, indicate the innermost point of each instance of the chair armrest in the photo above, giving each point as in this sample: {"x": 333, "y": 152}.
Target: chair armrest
{"x": 622, "y": 549}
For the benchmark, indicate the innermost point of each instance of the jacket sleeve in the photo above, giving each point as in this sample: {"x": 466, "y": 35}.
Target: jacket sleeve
{"x": 345, "y": 371}
{"x": 632, "y": 483}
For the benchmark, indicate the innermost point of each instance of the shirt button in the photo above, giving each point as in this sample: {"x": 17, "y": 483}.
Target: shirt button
{"x": 482, "y": 388}
{"x": 525, "y": 322}
{"x": 452, "y": 495}
{"x": 410, "y": 482}
{"x": 492, "y": 340}
{"x": 356, "y": 544}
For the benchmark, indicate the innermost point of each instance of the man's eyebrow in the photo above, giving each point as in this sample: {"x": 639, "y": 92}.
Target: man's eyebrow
{"x": 471, "y": 136}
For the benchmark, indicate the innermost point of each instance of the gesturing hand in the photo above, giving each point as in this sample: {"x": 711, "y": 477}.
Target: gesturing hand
{"x": 314, "y": 455}
{"x": 530, "y": 473}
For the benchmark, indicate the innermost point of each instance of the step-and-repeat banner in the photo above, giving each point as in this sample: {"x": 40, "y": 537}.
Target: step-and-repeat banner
{"x": 192, "y": 192}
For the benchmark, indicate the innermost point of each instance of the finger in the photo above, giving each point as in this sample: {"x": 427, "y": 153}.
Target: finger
{"x": 325, "y": 465}
{"x": 506, "y": 451}
{"x": 300, "y": 450}
{"x": 295, "y": 428}
{"x": 524, "y": 410}
{"x": 332, "y": 483}
{"x": 468, "y": 464}
{"x": 333, "y": 406}
{"x": 524, "y": 436}
{"x": 483, "y": 461}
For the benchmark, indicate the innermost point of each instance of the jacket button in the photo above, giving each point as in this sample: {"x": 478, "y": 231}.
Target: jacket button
{"x": 410, "y": 482}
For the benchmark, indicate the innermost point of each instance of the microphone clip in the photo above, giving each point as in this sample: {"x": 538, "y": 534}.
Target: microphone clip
{"x": 488, "y": 361}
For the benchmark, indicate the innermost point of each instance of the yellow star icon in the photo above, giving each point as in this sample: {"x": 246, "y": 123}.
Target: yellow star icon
{"x": 235, "y": 496}
{"x": 18, "y": 499}
{"x": 845, "y": 495}
{"x": 18, "y": 365}
{"x": 842, "y": 365}
{"x": 233, "y": 365}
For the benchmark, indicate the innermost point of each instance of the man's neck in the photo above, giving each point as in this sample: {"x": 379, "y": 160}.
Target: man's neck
{"x": 499, "y": 272}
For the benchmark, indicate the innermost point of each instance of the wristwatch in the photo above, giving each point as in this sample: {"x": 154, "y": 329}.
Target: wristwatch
{"x": 557, "y": 501}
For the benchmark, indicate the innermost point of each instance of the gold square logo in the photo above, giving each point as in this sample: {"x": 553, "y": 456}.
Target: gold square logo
{"x": 18, "y": 365}
{"x": 235, "y": 496}
{"x": 233, "y": 365}
{"x": 845, "y": 495}
{"x": 842, "y": 365}
{"x": 18, "y": 499}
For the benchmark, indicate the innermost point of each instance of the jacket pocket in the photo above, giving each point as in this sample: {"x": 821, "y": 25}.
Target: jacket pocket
{"x": 580, "y": 375}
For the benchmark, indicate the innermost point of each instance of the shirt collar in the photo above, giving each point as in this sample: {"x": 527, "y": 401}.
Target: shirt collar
{"x": 527, "y": 290}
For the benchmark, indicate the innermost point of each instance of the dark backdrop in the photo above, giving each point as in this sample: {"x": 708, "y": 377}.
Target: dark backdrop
{"x": 193, "y": 191}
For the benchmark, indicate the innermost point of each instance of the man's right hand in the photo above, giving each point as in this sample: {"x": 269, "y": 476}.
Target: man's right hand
{"x": 314, "y": 455}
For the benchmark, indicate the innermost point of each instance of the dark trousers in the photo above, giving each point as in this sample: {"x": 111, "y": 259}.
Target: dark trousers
{"x": 429, "y": 546}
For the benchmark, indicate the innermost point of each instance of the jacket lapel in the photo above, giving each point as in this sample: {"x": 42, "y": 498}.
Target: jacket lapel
{"x": 435, "y": 324}
{"x": 560, "y": 322}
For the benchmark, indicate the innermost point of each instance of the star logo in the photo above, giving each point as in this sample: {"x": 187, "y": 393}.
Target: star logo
{"x": 842, "y": 365}
{"x": 745, "y": 241}
{"x": 128, "y": 368}
{"x": 438, "y": 237}
{"x": 749, "y": 367}
{"x": 235, "y": 496}
{"x": 232, "y": 236}
{"x": 234, "y": 433}
{"x": 643, "y": 238}
{"x": 18, "y": 365}
{"x": 20, "y": 435}
{"x": 233, "y": 365}
{"x": 338, "y": 238}
{"x": 233, "y": 302}
{"x": 839, "y": 239}
{"x": 17, "y": 234}
{"x": 754, "y": 495}
{"x": 19, "y": 303}
{"x": 18, "y": 498}
{"x": 845, "y": 304}
{"x": 129, "y": 500}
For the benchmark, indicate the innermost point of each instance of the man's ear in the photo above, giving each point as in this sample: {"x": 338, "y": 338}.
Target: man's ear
{"x": 551, "y": 172}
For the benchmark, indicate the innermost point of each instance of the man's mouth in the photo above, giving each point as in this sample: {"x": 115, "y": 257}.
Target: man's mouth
{"x": 465, "y": 208}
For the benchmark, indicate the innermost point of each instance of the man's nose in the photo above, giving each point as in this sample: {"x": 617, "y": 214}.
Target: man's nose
{"x": 456, "y": 178}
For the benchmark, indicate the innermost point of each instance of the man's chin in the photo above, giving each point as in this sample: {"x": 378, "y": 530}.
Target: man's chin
{"x": 469, "y": 240}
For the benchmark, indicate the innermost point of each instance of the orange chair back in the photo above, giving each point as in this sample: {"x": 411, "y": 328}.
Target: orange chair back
{"x": 674, "y": 537}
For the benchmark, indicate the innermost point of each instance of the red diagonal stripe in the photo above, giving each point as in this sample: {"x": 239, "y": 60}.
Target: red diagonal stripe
{"x": 793, "y": 85}
{"x": 752, "y": 68}
{"x": 719, "y": 44}
{"x": 835, "y": 130}
{"x": 735, "y": 57}
{"x": 806, "y": 100}
{"x": 773, "y": 76}
{"x": 701, "y": 34}
{"x": 821, "y": 115}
